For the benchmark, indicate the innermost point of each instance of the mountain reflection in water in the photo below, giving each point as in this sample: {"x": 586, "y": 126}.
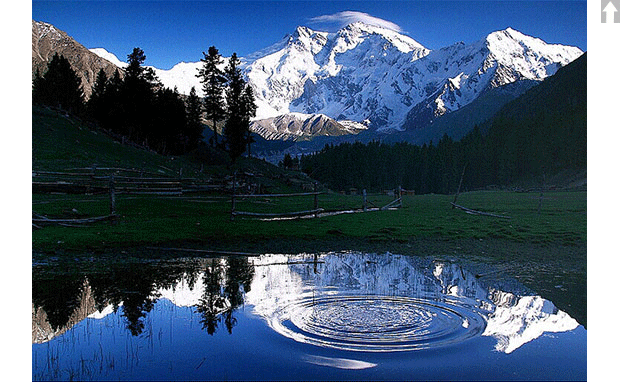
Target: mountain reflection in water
{"x": 352, "y": 301}
{"x": 510, "y": 318}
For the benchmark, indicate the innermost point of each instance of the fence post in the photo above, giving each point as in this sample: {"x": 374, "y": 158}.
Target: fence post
{"x": 232, "y": 211}
{"x": 365, "y": 202}
{"x": 540, "y": 198}
{"x": 458, "y": 190}
{"x": 400, "y": 196}
{"x": 112, "y": 196}
{"x": 316, "y": 199}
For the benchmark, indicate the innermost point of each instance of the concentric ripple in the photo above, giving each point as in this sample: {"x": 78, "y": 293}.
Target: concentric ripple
{"x": 377, "y": 323}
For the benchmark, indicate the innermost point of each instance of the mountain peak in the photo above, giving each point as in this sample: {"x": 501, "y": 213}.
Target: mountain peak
{"x": 511, "y": 42}
{"x": 402, "y": 42}
{"x": 48, "y": 40}
{"x": 509, "y": 33}
{"x": 303, "y": 31}
{"x": 101, "y": 52}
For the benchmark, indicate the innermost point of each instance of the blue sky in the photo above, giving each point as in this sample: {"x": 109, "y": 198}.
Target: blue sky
{"x": 173, "y": 31}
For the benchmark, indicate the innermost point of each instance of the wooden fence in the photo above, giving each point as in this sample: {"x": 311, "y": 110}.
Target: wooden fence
{"x": 123, "y": 181}
{"x": 120, "y": 181}
{"x": 313, "y": 213}
{"x": 113, "y": 181}
{"x": 233, "y": 212}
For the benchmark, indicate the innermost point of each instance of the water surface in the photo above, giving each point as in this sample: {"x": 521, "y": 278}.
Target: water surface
{"x": 309, "y": 316}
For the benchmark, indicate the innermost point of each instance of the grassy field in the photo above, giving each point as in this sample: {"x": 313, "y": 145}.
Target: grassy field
{"x": 145, "y": 220}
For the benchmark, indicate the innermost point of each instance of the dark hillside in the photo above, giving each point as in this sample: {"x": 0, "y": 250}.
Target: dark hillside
{"x": 544, "y": 131}
{"x": 61, "y": 142}
{"x": 460, "y": 122}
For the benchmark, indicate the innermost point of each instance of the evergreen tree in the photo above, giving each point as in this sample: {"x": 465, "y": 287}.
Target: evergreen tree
{"x": 60, "y": 86}
{"x": 287, "y": 161}
{"x": 248, "y": 110}
{"x": 137, "y": 96}
{"x": 95, "y": 105}
{"x": 101, "y": 82}
{"x": 115, "y": 83}
{"x": 112, "y": 108}
{"x": 167, "y": 131}
{"x": 194, "y": 126}
{"x": 213, "y": 81}
{"x": 240, "y": 109}
{"x": 37, "y": 88}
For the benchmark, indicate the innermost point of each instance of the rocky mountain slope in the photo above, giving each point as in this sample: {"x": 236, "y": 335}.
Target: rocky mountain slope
{"x": 298, "y": 126}
{"x": 48, "y": 40}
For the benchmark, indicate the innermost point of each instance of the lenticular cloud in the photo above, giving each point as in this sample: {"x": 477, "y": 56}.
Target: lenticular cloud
{"x": 341, "y": 19}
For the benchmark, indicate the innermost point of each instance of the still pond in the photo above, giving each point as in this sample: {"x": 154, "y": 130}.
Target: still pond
{"x": 328, "y": 316}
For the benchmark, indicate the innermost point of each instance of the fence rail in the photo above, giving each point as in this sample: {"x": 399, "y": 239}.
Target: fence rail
{"x": 315, "y": 212}
{"x": 116, "y": 181}
{"x": 97, "y": 181}
{"x": 112, "y": 181}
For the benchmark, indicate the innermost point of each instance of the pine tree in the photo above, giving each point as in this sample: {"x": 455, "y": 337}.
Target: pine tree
{"x": 213, "y": 80}
{"x": 248, "y": 110}
{"x": 112, "y": 109}
{"x": 60, "y": 86}
{"x": 287, "y": 162}
{"x": 167, "y": 131}
{"x": 37, "y": 88}
{"x": 100, "y": 83}
{"x": 194, "y": 121}
{"x": 95, "y": 104}
{"x": 137, "y": 97}
{"x": 240, "y": 109}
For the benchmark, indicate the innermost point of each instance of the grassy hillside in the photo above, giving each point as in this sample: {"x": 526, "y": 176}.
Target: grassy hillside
{"x": 62, "y": 143}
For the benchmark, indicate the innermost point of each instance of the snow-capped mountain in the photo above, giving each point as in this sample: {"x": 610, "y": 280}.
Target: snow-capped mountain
{"x": 341, "y": 75}
{"x": 377, "y": 76}
{"x": 182, "y": 75}
{"x": 369, "y": 73}
{"x": 298, "y": 126}
{"x": 101, "y": 52}
{"x": 452, "y": 77}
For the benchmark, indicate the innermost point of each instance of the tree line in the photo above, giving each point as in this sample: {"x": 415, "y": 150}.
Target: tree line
{"x": 543, "y": 132}
{"x": 379, "y": 166}
{"x": 495, "y": 159}
{"x": 134, "y": 105}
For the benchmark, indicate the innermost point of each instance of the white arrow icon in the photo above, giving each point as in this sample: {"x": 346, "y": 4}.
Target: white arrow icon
{"x": 610, "y": 11}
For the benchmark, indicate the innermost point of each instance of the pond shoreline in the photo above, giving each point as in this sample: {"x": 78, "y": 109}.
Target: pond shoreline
{"x": 491, "y": 248}
{"x": 557, "y": 271}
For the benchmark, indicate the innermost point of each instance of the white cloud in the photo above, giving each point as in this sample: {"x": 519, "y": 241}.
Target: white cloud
{"x": 345, "y": 18}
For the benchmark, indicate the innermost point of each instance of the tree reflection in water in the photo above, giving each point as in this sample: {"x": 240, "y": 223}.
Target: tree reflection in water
{"x": 225, "y": 282}
{"x": 64, "y": 295}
